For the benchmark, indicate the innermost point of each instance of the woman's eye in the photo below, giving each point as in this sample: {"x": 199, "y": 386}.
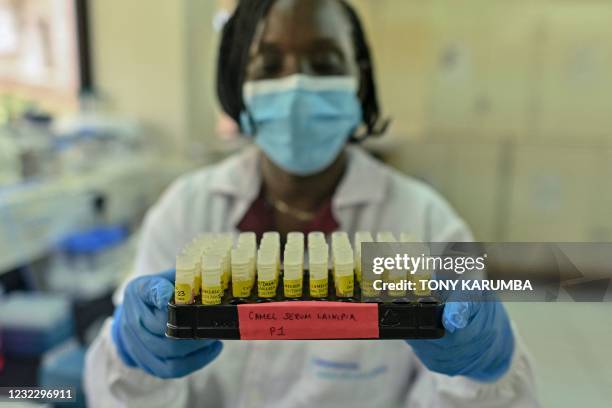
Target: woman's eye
{"x": 327, "y": 64}
{"x": 266, "y": 65}
{"x": 271, "y": 68}
{"x": 271, "y": 61}
{"x": 325, "y": 68}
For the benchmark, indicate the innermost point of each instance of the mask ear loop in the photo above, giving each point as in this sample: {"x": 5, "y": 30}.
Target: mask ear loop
{"x": 253, "y": 130}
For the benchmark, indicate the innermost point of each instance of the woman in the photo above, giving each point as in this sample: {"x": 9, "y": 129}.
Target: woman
{"x": 297, "y": 76}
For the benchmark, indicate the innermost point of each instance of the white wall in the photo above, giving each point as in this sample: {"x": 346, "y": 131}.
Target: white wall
{"x": 517, "y": 119}
{"x": 505, "y": 108}
{"x": 140, "y": 62}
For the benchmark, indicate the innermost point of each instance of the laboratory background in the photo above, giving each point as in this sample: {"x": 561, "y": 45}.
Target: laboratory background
{"x": 504, "y": 107}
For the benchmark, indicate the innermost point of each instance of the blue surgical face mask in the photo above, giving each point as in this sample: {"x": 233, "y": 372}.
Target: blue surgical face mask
{"x": 300, "y": 122}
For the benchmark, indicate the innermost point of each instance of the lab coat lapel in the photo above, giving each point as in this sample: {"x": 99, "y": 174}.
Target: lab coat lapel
{"x": 239, "y": 180}
{"x": 361, "y": 191}
{"x": 363, "y": 187}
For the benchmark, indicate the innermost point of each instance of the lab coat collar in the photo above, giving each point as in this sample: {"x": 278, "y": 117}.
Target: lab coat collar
{"x": 239, "y": 175}
{"x": 365, "y": 180}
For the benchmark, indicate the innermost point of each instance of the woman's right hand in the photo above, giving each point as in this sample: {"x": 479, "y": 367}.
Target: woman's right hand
{"x": 138, "y": 331}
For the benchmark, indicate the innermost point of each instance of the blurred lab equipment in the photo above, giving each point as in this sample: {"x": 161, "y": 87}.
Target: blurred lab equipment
{"x": 90, "y": 137}
{"x": 35, "y": 141}
{"x": 33, "y": 216}
{"x": 9, "y": 160}
{"x": 26, "y": 150}
{"x": 72, "y": 192}
{"x": 58, "y": 174}
{"x": 90, "y": 263}
{"x": 33, "y": 323}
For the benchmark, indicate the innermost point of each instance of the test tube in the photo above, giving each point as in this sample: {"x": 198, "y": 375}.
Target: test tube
{"x": 247, "y": 236}
{"x": 420, "y": 280}
{"x": 394, "y": 275}
{"x": 251, "y": 255}
{"x": 271, "y": 236}
{"x": 340, "y": 238}
{"x": 296, "y": 238}
{"x": 252, "y": 251}
{"x": 318, "y": 265}
{"x": 212, "y": 289}
{"x": 293, "y": 276}
{"x": 248, "y": 242}
{"x": 316, "y": 237}
{"x": 192, "y": 251}
{"x": 267, "y": 278}
{"x": 344, "y": 275}
{"x": 241, "y": 274}
{"x": 185, "y": 270}
{"x": 270, "y": 241}
{"x": 423, "y": 274}
{"x": 360, "y": 237}
{"x": 406, "y": 237}
{"x": 226, "y": 237}
{"x": 397, "y": 276}
{"x": 385, "y": 236}
{"x": 218, "y": 249}
{"x": 203, "y": 240}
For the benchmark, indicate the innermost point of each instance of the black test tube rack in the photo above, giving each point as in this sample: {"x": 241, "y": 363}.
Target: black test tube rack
{"x": 408, "y": 317}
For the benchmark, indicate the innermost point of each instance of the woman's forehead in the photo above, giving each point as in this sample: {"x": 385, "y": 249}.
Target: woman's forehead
{"x": 298, "y": 23}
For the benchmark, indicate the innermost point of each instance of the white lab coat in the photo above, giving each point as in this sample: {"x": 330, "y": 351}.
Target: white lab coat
{"x": 309, "y": 374}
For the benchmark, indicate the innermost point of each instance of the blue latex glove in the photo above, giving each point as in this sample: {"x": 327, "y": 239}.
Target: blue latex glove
{"x": 478, "y": 344}
{"x": 139, "y": 326}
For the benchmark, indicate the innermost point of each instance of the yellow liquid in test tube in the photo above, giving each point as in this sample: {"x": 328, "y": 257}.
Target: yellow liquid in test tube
{"x": 294, "y": 270}
{"x": 241, "y": 274}
{"x": 360, "y": 237}
{"x": 344, "y": 274}
{"x": 183, "y": 287}
{"x": 318, "y": 265}
{"x": 267, "y": 279}
{"x": 419, "y": 279}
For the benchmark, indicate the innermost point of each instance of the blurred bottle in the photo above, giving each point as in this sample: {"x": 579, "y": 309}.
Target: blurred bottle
{"x": 35, "y": 141}
{"x": 93, "y": 136}
{"x": 10, "y": 165}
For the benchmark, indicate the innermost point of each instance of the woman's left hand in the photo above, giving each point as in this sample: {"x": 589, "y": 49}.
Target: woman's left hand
{"x": 478, "y": 343}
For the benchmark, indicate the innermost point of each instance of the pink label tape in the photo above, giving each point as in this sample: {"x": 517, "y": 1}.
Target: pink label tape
{"x": 308, "y": 320}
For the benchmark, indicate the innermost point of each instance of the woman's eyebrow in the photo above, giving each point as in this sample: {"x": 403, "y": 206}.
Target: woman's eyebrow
{"x": 328, "y": 45}
{"x": 317, "y": 44}
{"x": 268, "y": 48}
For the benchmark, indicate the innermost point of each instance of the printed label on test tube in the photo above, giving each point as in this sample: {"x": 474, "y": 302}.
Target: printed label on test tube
{"x": 344, "y": 275}
{"x": 267, "y": 279}
{"x": 212, "y": 289}
{"x": 294, "y": 272}
{"x": 183, "y": 294}
{"x": 241, "y": 275}
{"x": 318, "y": 270}
{"x": 184, "y": 279}
{"x": 360, "y": 237}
